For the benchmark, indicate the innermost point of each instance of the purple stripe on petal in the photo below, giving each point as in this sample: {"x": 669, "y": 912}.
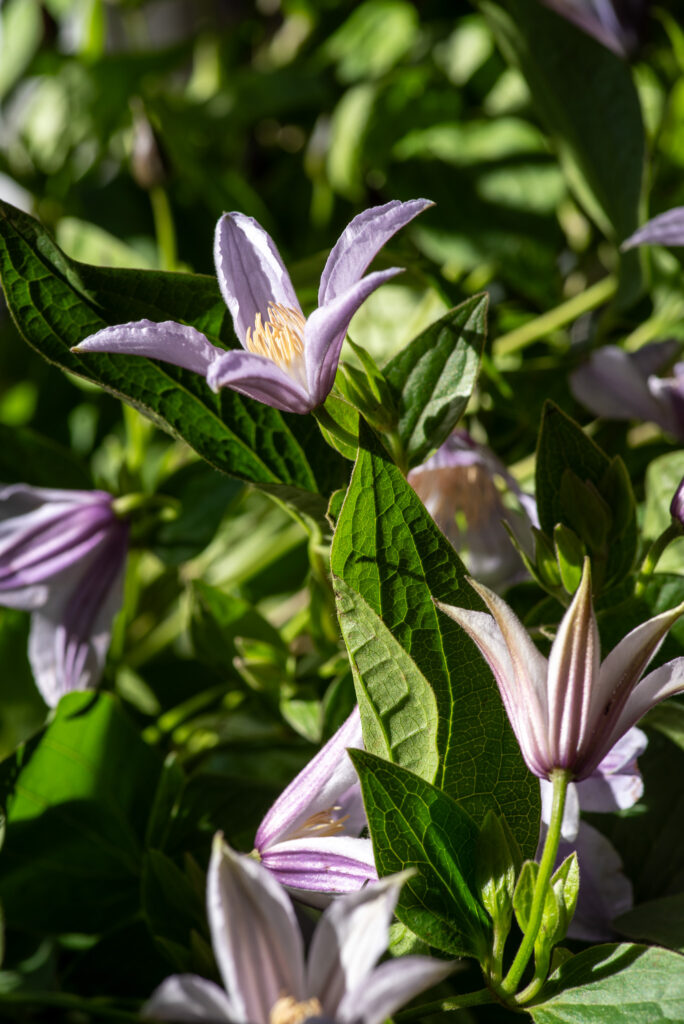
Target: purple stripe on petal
{"x": 259, "y": 378}
{"x": 333, "y": 864}
{"x": 391, "y": 986}
{"x": 665, "y": 229}
{"x": 250, "y": 271}
{"x": 174, "y": 343}
{"x": 326, "y": 329}
{"x": 361, "y": 241}
{"x": 318, "y": 787}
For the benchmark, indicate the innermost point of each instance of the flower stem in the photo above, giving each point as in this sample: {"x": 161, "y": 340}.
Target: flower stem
{"x": 560, "y": 779}
{"x": 568, "y": 311}
{"x": 653, "y": 554}
{"x": 478, "y": 998}
{"x": 164, "y": 227}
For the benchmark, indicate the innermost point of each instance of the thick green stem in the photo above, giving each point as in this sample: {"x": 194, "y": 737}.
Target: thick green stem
{"x": 560, "y": 779}
{"x": 653, "y": 554}
{"x": 164, "y": 227}
{"x": 545, "y": 324}
{"x": 478, "y": 998}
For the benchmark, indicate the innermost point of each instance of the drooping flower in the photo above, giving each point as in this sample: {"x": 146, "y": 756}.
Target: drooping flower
{"x": 260, "y": 955}
{"x": 287, "y": 360}
{"x": 623, "y": 385}
{"x": 617, "y": 24}
{"x": 309, "y": 839}
{"x": 62, "y": 557}
{"x": 665, "y": 229}
{"x": 569, "y": 711}
{"x": 460, "y": 482}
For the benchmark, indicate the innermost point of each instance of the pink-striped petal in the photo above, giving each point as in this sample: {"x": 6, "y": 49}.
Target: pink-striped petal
{"x": 391, "y": 986}
{"x": 330, "y": 865}
{"x": 665, "y": 229}
{"x": 255, "y": 937}
{"x": 664, "y": 682}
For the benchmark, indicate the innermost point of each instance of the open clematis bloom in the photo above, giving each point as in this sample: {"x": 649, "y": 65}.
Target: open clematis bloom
{"x": 260, "y": 956}
{"x": 464, "y": 481}
{"x": 287, "y": 360}
{"x": 621, "y": 385}
{"x": 62, "y": 557}
{"x": 309, "y": 839}
{"x": 569, "y": 711}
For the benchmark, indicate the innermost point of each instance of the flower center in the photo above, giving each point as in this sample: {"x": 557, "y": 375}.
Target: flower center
{"x": 323, "y": 823}
{"x": 287, "y": 1010}
{"x": 280, "y": 338}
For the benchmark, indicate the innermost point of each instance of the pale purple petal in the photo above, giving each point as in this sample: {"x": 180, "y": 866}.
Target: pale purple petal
{"x": 326, "y": 329}
{"x": 361, "y": 241}
{"x": 572, "y": 668}
{"x": 664, "y": 682}
{"x": 254, "y": 934}
{"x": 655, "y": 356}
{"x": 665, "y": 229}
{"x": 353, "y": 810}
{"x": 525, "y": 713}
{"x": 669, "y": 393}
{"x": 605, "y": 892}
{"x": 617, "y": 678}
{"x": 70, "y": 635}
{"x": 612, "y": 385}
{"x": 187, "y": 997}
{"x": 260, "y": 378}
{"x": 330, "y": 864}
{"x": 318, "y": 787}
{"x": 169, "y": 341}
{"x": 616, "y": 783}
{"x": 250, "y": 271}
{"x": 349, "y": 939}
{"x": 391, "y": 986}
{"x": 598, "y": 18}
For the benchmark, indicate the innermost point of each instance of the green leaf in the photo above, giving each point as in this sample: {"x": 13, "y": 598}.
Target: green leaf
{"x": 524, "y": 893}
{"x": 78, "y": 796}
{"x": 660, "y": 921}
{"x": 433, "y": 377}
{"x": 217, "y": 619}
{"x": 172, "y": 907}
{"x": 614, "y": 984}
{"x": 566, "y": 456}
{"x": 397, "y": 704}
{"x": 57, "y": 302}
{"x": 496, "y": 872}
{"x": 414, "y": 825}
{"x": 388, "y": 549}
{"x": 589, "y": 104}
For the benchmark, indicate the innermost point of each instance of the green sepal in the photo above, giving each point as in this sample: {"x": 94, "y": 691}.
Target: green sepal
{"x": 524, "y": 893}
{"x": 546, "y": 568}
{"x": 559, "y": 906}
{"x": 496, "y": 872}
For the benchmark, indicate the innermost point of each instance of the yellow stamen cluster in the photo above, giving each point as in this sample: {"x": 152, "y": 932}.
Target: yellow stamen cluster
{"x": 287, "y": 1010}
{"x": 324, "y": 823}
{"x": 280, "y": 338}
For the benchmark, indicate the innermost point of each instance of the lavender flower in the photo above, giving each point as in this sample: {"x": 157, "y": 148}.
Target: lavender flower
{"x": 623, "y": 385}
{"x": 288, "y": 360}
{"x": 677, "y": 504}
{"x": 62, "y": 556}
{"x": 260, "y": 956}
{"x": 309, "y": 838}
{"x": 569, "y": 711}
{"x": 460, "y": 479}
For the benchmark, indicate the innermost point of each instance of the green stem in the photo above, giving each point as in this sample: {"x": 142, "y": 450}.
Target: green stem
{"x": 62, "y": 1000}
{"x": 478, "y": 998}
{"x": 164, "y": 227}
{"x": 545, "y": 324}
{"x": 653, "y": 554}
{"x": 560, "y": 779}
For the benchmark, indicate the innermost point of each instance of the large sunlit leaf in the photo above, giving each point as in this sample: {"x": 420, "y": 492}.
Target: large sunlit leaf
{"x": 388, "y": 549}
